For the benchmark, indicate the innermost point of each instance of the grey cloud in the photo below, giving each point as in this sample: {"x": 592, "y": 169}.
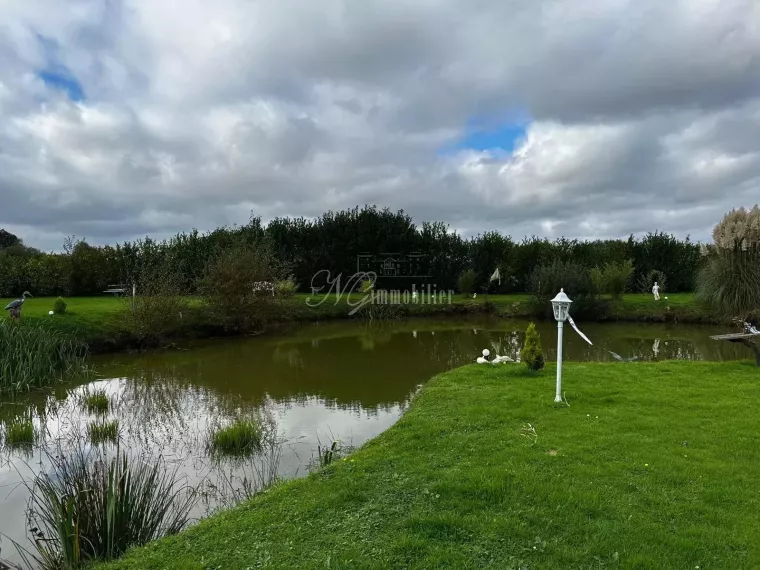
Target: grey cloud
{"x": 646, "y": 115}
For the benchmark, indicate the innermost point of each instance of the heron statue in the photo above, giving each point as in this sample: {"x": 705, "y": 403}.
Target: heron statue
{"x": 14, "y": 307}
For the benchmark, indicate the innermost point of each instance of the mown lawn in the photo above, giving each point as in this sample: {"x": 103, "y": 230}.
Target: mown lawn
{"x": 90, "y": 317}
{"x": 653, "y": 466}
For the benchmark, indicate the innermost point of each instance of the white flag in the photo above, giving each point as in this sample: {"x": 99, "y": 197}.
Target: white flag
{"x": 496, "y": 275}
{"x": 583, "y": 336}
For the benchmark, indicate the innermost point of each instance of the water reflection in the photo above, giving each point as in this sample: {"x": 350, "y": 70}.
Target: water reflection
{"x": 337, "y": 380}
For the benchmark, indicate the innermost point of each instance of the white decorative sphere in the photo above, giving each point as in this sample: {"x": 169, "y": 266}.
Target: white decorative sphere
{"x": 51, "y": 313}
{"x": 486, "y": 352}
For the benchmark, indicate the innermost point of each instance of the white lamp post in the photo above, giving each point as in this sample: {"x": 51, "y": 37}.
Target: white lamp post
{"x": 561, "y": 306}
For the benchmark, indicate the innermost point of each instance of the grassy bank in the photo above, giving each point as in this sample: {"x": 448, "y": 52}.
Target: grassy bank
{"x": 651, "y": 466}
{"x": 100, "y": 320}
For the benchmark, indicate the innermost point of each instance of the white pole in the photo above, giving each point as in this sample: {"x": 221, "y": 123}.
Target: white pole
{"x": 558, "y": 396}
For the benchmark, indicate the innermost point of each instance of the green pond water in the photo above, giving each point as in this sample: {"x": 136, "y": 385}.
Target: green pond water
{"x": 342, "y": 380}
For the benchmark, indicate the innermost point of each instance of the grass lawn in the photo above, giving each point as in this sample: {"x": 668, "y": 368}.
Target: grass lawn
{"x": 91, "y": 308}
{"x": 652, "y": 466}
{"x": 90, "y": 317}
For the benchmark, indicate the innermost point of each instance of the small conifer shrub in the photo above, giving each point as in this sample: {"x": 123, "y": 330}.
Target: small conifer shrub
{"x": 532, "y": 354}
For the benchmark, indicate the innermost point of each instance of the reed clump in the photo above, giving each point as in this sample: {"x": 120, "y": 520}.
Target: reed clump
{"x": 240, "y": 438}
{"x": 19, "y": 432}
{"x": 90, "y": 507}
{"x": 36, "y": 356}
{"x": 96, "y": 401}
{"x": 103, "y": 432}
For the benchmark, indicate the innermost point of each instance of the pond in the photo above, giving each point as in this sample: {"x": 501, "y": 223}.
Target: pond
{"x": 344, "y": 381}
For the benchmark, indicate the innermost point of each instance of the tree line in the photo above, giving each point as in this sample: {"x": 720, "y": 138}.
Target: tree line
{"x": 303, "y": 247}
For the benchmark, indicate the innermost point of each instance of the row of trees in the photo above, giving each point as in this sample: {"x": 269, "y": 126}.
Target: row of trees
{"x": 303, "y": 247}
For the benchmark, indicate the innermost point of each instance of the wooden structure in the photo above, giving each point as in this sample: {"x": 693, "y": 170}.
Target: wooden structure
{"x": 119, "y": 289}
{"x": 742, "y": 338}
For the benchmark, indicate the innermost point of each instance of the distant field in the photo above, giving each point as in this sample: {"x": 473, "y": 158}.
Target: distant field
{"x": 100, "y": 319}
{"x": 97, "y": 308}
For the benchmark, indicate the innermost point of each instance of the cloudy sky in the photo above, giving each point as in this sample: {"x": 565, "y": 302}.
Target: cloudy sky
{"x": 583, "y": 118}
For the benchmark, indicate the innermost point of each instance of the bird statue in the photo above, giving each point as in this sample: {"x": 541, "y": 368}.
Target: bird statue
{"x": 14, "y": 307}
{"x": 499, "y": 359}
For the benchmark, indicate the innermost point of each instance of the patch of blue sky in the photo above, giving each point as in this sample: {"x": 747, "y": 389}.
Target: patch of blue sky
{"x": 499, "y": 137}
{"x": 61, "y": 79}
{"x": 56, "y": 75}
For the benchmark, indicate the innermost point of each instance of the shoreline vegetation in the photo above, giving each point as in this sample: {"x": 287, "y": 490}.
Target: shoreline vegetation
{"x": 103, "y": 324}
{"x": 485, "y": 471}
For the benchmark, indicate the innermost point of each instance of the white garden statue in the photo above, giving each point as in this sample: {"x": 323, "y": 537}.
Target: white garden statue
{"x": 656, "y": 291}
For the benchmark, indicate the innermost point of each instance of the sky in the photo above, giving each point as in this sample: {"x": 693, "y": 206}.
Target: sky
{"x": 576, "y": 118}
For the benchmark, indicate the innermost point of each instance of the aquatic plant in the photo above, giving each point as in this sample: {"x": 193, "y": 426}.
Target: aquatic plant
{"x": 250, "y": 476}
{"x": 37, "y": 355}
{"x": 96, "y": 401}
{"x": 19, "y": 432}
{"x": 327, "y": 455}
{"x": 103, "y": 432}
{"x": 90, "y": 508}
{"x": 240, "y": 438}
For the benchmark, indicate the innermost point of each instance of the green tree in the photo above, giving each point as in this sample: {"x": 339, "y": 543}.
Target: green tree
{"x": 467, "y": 282}
{"x": 159, "y": 309}
{"x": 230, "y": 288}
{"x": 613, "y": 278}
{"x": 532, "y": 354}
{"x": 7, "y": 239}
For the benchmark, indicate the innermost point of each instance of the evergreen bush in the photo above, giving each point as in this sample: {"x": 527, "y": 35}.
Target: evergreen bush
{"x": 59, "y": 307}
{"x": 532, "y": 354}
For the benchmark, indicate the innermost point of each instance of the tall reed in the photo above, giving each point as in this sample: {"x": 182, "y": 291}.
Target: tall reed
{"x": 91, "y": 507}
{"x": 37, "y": 355}
{"x": 729, "y": 281}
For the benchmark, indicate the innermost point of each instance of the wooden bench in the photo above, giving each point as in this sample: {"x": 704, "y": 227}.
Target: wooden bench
{"x": 742, "y": 338}
{"x": 119, "y": 289}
